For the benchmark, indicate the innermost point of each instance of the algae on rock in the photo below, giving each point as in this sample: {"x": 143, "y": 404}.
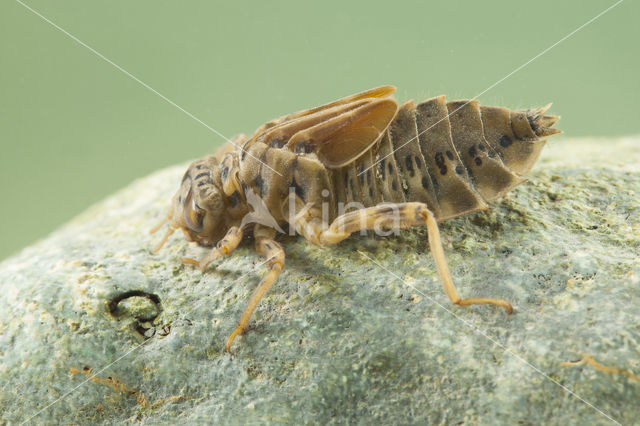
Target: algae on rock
{"x": 338, "y": 339}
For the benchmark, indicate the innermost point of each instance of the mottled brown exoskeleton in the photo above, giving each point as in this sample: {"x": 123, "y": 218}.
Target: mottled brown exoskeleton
{"x": 405, "y": 166}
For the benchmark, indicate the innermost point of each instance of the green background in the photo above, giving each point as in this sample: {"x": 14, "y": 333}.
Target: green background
{"x": 74, "y": 128}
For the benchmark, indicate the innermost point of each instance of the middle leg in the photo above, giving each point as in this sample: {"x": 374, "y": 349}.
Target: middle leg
{"x": 269, "y": 248}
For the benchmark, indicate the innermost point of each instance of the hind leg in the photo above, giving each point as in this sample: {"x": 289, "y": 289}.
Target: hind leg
{"x": 389, "y": 216}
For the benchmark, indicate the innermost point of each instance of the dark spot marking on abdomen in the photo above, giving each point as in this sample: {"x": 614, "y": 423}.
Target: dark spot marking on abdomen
{"x": 409, "y": 164}
{"x": 261, "y": 184}
{"x": 439, "y": 158}
{"x": 425, "y": 182}
{"x": 300, "y": 190}
{"x": 505, "y": 141}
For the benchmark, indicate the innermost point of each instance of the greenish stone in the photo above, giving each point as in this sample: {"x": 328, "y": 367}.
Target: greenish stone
{"x": 338, "y": 339}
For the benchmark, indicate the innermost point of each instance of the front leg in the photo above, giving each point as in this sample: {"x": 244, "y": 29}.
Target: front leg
{"x": 390, "y": 216}
{"x": 224, "y": 248}
{"x": 269, "y": 248}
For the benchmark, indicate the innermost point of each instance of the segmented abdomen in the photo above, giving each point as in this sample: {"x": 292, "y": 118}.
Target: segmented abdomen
{"x": 452, "y": 156}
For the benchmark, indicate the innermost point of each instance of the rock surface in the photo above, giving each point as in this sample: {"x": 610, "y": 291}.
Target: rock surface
{"x": 338, "y": 339}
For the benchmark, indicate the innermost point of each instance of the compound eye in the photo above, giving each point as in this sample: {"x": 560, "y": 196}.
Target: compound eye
{"x": 193, "y": 214}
